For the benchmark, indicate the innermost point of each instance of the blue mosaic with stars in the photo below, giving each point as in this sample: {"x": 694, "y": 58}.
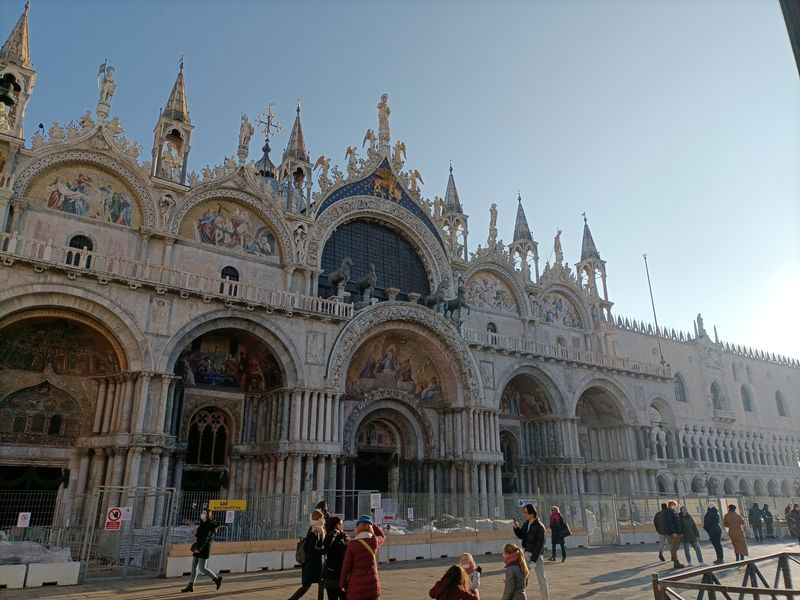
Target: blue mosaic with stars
{"x": 365, "y": 187}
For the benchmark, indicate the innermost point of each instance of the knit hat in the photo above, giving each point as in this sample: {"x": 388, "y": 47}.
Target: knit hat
{"x": 364, "y": 520}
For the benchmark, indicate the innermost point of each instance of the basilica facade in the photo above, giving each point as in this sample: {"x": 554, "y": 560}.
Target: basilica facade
{"x": 278, "y": 328}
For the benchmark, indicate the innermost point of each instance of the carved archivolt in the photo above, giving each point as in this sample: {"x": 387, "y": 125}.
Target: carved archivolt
{"x": 380, "y": 209}
{"x": 578, "y": 300}
{"x": 389, "y": 404}
{"x": 31, "y": 172}
{"x": 365, "y": 324}
{"x": 501, "y": 272}
{"x": 272, "y": 216}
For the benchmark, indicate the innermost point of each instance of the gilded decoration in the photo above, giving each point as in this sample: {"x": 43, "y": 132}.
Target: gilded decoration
{"x": 66, "y": 346}
{"x": 497, "y": 268}
{"x": 379, "y": 315}
{"x": 41, "y": 173}
{"x": 33, "y": 412}
{"x": 487, "y": 292}
{"x": 230, "y": 359}
{"x": 397, "y": 361}
{"x": 229, "y": 225}
{"x": 223, "y": 203}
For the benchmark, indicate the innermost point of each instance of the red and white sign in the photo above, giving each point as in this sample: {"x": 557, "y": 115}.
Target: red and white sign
{"x": 113, "y": 518}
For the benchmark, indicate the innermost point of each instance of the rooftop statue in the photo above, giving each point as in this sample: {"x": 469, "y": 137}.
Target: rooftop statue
{"x": 384, "y": 111}
{"x": 557, "y": 248}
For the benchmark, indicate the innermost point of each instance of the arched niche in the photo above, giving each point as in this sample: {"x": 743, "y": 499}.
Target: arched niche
{"x": 556, "y": 308}
{"x": 41, "y": 414}
{"x": 526, "y": 398}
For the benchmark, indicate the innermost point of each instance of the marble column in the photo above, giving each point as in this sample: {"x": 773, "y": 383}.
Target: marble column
{"x": 484, "y": 507}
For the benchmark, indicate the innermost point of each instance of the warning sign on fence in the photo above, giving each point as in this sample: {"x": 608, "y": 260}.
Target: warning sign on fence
{"x": 227, "y": 505}
{"x": 23, "y": 519}
{"x": 113, "y": 518}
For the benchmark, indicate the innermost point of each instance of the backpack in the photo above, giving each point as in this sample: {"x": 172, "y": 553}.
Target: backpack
{"x": 300, "y": 552}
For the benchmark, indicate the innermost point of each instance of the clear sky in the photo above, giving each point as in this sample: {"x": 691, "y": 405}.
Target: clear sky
{"x": 674, "y": 125}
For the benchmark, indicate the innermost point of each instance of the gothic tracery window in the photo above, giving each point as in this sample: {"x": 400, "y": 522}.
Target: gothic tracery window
{"x": 781, "y": 405}
{"x": 208, "y": 438}
{"x": 747, "y": 400}
{"x": 680, "y": 389}
{"x": 81, "y": 242}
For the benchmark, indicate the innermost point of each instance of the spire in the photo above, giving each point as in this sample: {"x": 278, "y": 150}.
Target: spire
{"x": 176, "y": 108}
{"x": 264, "y": 165}
{"x": 297, "y": 143}
{"x": 16, "y": 50}
{"x": 451, "y": 201}
{"x": 521, "y": 229}
{"x": 589, "y": 250}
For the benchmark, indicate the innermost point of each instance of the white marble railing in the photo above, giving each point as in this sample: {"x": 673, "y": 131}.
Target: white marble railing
{"x": 524, "y": 346}
{"x": 136, "y": 274}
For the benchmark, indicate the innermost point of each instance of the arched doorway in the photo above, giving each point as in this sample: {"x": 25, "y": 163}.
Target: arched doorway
{"x": 511, "y": 462}
{"x": 377, "y": 460}
{"x": 605, "y": 441}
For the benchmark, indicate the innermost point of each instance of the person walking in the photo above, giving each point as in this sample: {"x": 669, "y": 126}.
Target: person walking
{"x": 468, "y": 563}
{"x": 711, "y": 523}
{"x": 359, "y": 578}
{"x": 769, "y": 520}
{"x": 311, "y": 569}
{"x": 335, "y": 545}
{"x": 454, "y": 585}
{"x": 674, "y": 531}
{"x": 756, "y": 519}
{"x": 516, "y": 573}
{"x": 532, "y": 535}
{"x": 201, "y": 551}
{"x": 690, "y": 537}
{"x": 660, "y": 523}
{"x": 735, "y": 524}
{"x": 793, "y": 522}
{"x": 559, "y": 531}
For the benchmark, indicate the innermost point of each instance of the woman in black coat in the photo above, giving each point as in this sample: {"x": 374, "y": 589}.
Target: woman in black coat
{"x": 559, "y": 531}
{"x": 711, "y": 523}
{"x": 312, "y": 567}
{"x": 335, "y": 545}
{"x": 201, "y": 550}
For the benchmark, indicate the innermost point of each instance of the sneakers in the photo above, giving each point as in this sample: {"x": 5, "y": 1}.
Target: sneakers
{"x": 719, "y": 561}
{"x": 189, "y": 587}
{"x": 218, "y": 581}
{"x": 552, "y": 559}
{"x": 661, "y": 556}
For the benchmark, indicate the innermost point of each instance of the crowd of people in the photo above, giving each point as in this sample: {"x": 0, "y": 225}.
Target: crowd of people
{"x": 348, "y": 568}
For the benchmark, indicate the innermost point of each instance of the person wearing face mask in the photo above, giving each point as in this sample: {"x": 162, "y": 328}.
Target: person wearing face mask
{"x": 311, "y": 571}
{"x": 201, "y": 550}
{"x": 335, "y": 544}
{"x": 473, "y": 571}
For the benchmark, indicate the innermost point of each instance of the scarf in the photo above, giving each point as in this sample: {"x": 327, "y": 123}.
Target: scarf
{"x": 469, "y": 569}
{"x": 317, "y": 526}
{"x": 511, "y": 559}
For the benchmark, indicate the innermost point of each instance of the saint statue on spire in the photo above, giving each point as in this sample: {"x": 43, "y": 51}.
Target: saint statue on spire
{"x": 384, "y": 134}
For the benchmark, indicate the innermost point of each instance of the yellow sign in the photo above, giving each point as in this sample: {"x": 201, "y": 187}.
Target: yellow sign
{"x": 227, "y": 505}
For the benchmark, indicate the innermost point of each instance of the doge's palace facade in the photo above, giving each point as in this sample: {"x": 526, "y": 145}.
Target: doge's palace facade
{"x": 283, "y": 328}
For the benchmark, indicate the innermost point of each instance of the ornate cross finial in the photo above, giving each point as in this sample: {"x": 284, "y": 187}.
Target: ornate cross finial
{"x": 583, "y": 214}
{"x": 298, "y": 107}
{"x": 269, "y": 122}
{"x": 451, "y": 167}
{"x": 181, "y": 64}
{"x": 519, "y": 197}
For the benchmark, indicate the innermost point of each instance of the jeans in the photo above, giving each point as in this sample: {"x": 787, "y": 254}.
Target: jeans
{"x": 537, "y": 566}
{"x": 199, "y": 566}
{"x": 716, "y": 541}
{"x": 696, "y": 546}
{"x": 563, "y": 550}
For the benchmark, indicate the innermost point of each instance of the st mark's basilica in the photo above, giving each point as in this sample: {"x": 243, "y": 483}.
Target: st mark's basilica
{"x": 278, "y": 328}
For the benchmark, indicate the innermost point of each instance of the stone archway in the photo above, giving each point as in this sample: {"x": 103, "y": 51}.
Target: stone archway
{"x": 509, "y": 446}
{"x": 605, "y": 439}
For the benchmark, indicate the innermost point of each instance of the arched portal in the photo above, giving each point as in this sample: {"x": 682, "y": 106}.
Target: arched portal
{"x": 604, "y": 440}
{"x": 511, "y": 462}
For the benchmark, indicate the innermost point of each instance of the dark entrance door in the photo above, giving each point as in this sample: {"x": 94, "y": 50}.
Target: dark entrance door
{"x": 372, "y": 470}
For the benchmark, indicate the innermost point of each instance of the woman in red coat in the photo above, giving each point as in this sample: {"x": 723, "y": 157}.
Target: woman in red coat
{"x": 359, "y": 577}
{"x": 453, "y": 586}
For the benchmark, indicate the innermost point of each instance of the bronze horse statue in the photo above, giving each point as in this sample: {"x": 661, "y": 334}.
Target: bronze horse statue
{"x": 456, "y": 304}
{"x": 342, "y": 274}
{"x": 366, "y": 285}
{"x": 436, "y": 298}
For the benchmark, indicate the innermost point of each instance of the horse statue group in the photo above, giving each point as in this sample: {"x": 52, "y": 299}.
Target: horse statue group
{"x": 440, "y": 303}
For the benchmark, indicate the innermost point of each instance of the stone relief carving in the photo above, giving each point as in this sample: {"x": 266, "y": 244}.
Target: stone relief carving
{"x": 315, "y": 347}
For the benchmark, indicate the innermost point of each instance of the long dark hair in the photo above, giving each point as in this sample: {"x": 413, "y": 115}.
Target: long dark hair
{"x": 456, "y": 579}
{"x": 331, "y": 523}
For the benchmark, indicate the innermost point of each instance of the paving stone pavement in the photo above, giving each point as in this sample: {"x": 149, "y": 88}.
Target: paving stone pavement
{"x": 619, "y": 572}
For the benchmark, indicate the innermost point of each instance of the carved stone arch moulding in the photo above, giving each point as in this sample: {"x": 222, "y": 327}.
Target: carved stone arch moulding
{"x": 542, "y": 377}
{"x": 622, "y": 400}
{"x": 501, "y": 271}
{"x": 361, "y": 328}
{"x": 390, "y": 403}
{"x": 568, "y": 292}
{"x": 379, "y": 209}
{"x": 56, "y": 159}
{"x": 272, "y": 217}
